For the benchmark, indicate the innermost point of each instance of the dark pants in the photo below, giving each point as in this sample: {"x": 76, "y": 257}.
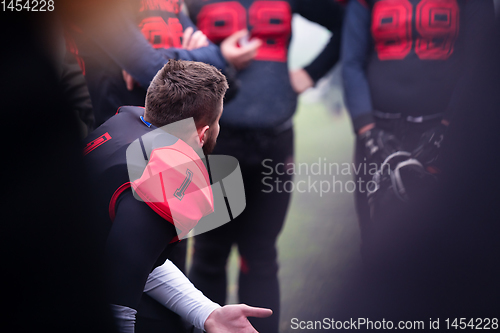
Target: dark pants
{"x": 408, "y": 134}
{"x": 255, "y": 231}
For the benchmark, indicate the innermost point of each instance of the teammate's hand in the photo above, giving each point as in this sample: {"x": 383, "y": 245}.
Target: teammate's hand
{"x": 378, "y": 144}
{"x": 429, "y": 145}
{"x": 129, "y": 80}
{"x": 300, "y": 80}
{"x": 239, "y": 55}
{"x": 233, "y": 319}
{"x": 192, "y": 40}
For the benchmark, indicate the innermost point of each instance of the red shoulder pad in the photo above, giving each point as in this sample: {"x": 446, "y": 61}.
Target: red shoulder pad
{"x": 176, "y": 185}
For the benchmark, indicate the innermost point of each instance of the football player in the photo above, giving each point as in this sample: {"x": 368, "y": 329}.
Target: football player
{"x": 403, "y": 65}
{"x": 257, "y": 126}
{"x": 141, "y": 233}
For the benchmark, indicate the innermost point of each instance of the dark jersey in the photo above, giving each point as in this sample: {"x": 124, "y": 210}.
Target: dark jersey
{"x": 138, "y": 39}
{"x": 139, "y": 233}
{"x": 407, "y": 56}
{"x": 266, "y": 98}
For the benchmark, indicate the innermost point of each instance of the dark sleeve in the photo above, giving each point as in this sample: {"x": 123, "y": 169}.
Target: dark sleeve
{"x": 193, "y": 8}
{"x": 76, "y": 92}
{"x": 329, "y": 14}
{"x": 479, "y": 22}
{"x": 355, "y": 49}
{"x": 137, "y": 238}
{"x": 122, "y": 40}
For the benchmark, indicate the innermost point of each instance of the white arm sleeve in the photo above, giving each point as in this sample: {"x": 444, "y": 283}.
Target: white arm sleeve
{"x": 124, "y": 318}
{"x": 169, "y": 286}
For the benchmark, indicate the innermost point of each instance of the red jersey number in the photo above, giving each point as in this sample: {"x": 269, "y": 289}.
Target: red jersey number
{"x": 391, "y": 29}
{"x": 270, "y": 21}
{"x": 436, "y": 22}
{"x": 220, "y": 20}
{"x": 161, "y": 34}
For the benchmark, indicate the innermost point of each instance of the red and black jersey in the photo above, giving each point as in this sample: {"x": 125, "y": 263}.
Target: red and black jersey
{"x": 406, "y": 56}
{"x": 266, "y": 98}
{"x": 105, "y": 155}
{"x": 159, "y": 22}
{"x": 164, "y": 172}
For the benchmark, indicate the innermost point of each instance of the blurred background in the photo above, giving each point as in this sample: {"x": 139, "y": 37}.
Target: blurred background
{"x": 50, "y": 249}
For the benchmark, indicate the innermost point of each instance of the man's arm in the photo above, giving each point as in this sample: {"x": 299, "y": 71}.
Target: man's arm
{"x": 479, "y": 22}
{"x": 329, "y": 14}
{"x": 137, "y": 238}
{"x": 354, "y": 54}
{"x": 121, "y": 39}
{"x": 169, "y": 286}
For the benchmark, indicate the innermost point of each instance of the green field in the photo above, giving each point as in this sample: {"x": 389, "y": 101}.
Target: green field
{"x": 319, "y": 245}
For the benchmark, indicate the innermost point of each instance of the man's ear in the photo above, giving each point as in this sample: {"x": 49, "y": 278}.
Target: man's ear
{"x": 203, "y": 134}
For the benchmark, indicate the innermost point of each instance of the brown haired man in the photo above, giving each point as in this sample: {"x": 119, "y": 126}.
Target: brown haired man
{"x": 141, "y": 234}
{"x": 184, "y": 89}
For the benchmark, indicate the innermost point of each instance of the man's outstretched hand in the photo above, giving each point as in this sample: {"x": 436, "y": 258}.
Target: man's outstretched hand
{"x": 233, "y": 319}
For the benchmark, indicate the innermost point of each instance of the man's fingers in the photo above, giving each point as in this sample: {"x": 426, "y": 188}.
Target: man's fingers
{"x": 193, "y": 40}
{"x": 250, "y": 311}
{"x": 129, "y": 81}
{"x": 249, "y": 51}
{"x": 186, "y": 37}
{"x": 254, "y": 44}
{"x": 197, "y": 40}
{"x": 203, "y": 41}
{"x": 235, "y": 37}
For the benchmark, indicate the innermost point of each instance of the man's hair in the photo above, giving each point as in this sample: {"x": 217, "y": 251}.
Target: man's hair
{"x": 184, "y": 89}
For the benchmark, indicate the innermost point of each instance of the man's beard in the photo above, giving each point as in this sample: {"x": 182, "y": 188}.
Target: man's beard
{"x": 209, "y": 145}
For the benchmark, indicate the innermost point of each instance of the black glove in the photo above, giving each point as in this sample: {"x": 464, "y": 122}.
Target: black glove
{"x": 378, "y": 145}
{"x": 429, "y": 145}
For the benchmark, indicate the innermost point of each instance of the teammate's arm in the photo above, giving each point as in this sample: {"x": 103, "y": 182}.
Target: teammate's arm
{"x": 239, "y": 56}
{"x": 354, "y": 54}
{"x": 479, "y": 22}
{"x": 137, "y": 238}
{"x": 329, "y": 14}
{"x": 120, "y": 38}
{"x": 356, "y": 43}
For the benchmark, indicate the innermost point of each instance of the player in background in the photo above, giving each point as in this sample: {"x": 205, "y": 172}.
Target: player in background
{"x": 403, "y": 71}
{"x": 140, "y": 235}
{"x": 257, "y": 126}
{"x": 122, "y": 45}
